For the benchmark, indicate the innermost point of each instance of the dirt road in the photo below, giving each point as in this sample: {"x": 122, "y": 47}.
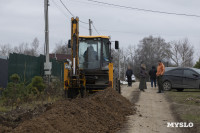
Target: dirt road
{"x": 153, "y": 112}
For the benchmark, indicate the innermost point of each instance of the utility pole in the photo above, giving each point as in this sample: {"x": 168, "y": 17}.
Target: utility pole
{"x": 119, "y": 65}
{"x": 124, "y": 68}
{"x": 47, "y": 64}
{"x": 90, "y": 27}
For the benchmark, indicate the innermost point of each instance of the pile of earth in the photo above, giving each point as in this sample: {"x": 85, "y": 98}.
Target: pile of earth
{"x": 102, "y": 112}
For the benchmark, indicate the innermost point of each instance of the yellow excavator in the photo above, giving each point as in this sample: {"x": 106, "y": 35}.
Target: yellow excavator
{"x": 90, "y": 68}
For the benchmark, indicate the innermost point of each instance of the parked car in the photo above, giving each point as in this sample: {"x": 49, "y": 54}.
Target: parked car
{"x": 181, "y": 78}
{"x": 133, "y": 78}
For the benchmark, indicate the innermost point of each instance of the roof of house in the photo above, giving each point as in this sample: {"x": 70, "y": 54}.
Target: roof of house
{"x": 60, "y": 57}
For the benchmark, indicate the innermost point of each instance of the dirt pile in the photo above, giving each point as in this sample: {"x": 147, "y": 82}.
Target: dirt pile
{"x": 103, "y": 112}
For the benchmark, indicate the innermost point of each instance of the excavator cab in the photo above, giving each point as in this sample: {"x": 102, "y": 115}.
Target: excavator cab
{"x": 94, "y": 52}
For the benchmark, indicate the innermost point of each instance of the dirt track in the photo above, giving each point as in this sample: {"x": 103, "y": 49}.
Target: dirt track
{"x": 153, "y": 112}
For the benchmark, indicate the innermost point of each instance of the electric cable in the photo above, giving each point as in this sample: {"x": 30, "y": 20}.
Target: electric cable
{"x": 95, "y": 29}
{"x": 71, "y": 12}
{"x": 60, "y": 9}
{"x": 145, "y": 10}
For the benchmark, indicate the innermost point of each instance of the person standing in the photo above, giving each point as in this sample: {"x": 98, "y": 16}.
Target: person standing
{"x": 129, "y": 74}
{"x": 143, "y": 75}
{"x": 159, "y": 74}
{"x": 152, "y": 74}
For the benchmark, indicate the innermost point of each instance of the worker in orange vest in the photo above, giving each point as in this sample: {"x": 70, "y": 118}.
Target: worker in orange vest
{"x": 159, "y": 74}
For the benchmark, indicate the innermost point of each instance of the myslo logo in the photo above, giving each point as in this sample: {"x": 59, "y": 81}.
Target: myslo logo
{"x": 179, "y": 124}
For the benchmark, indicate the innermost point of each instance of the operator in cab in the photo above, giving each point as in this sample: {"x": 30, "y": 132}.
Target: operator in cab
{"x": 90, "y": 56}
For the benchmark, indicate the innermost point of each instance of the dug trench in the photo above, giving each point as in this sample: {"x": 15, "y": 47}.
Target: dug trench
{"x": 102, "y": 112}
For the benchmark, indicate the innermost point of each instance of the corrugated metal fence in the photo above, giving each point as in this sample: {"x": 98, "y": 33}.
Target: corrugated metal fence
{"x": 3, "y": 73}
{"x": 29, "y": 66}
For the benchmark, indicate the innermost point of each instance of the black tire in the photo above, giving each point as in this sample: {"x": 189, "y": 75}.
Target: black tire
{"x": 119, "y": 87}
{"x": 179, "y": 89}
{"x": 167, "y": 86}
{"x": 65, "y": 94}
{"x": 83, "y": 92}
{"x": 69, "y": 93}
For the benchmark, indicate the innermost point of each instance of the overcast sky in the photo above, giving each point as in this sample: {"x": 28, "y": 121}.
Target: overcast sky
{"x": 23, "y": 20}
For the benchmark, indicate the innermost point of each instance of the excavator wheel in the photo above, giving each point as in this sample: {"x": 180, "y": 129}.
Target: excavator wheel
{"x": 118, "y": 87}
{"x": 84, "y": 92}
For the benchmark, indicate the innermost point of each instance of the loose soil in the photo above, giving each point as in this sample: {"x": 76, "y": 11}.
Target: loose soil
{"x": 102, "y": 112}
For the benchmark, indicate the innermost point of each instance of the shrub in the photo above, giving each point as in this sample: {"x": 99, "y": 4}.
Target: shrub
{"x": 37, "y": 83}
{"x": 15, "y": 78}
{"x": 16, "y": 92}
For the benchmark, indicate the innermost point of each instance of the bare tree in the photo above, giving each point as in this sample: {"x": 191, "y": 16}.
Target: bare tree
{"x": 149, "y": 51}
{"x": 175, "y": 53}
{"x": 5, "y": 50}
{"x": 182, "y": 53}
{"x": 62, "y": 48}
{"x": 22, "y": 48}
{"x": 130, "y": 54}
{"x": 28, "y": 49}
{"x": 116, "y": 56}
{"x": 34, "y": 46}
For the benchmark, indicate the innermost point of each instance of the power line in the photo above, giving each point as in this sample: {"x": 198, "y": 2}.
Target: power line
{"x": 71, "y": 12}
{"x": 60, "y": 9}
{"x": 73, "y": 16}
{"x": 145, "y": 10}
{"x": 57, "y": 6}
{"x": 83, "y": 22}
{"x": 143, "y": 33}
{"x": 84, "y": 2}
{"x": 66, "y": 8}
{"x": 95, "y": 29}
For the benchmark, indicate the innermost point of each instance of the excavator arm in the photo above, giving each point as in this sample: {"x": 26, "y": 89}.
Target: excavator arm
{"x": 74, "y": 80}
{"x": 75, "y": 45}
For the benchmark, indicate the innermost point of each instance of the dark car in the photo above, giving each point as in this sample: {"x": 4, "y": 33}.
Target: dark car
{"x": 181, "y": 78}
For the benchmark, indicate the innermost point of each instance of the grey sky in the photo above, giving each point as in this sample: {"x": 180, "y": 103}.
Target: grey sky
{"x": 22, "y": 20}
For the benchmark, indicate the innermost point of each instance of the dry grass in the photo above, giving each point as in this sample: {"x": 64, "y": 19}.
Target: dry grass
{"x": 186, "y": 106}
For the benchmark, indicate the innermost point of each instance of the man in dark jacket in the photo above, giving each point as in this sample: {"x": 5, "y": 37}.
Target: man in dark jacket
{"x": 143, "y": 75}
{"x": 129, "y": 74}
{"x": 152, "y": 74}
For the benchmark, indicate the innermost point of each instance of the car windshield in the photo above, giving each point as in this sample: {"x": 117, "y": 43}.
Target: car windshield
{"x": 89, "y": 54}
{"x": 196, "y": 70}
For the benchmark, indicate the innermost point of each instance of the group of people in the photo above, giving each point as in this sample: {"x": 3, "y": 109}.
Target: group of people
{"x": 155, "y": 76}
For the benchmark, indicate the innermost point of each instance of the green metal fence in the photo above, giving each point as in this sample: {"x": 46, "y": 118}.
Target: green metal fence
{"x": 29, "y": 66}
